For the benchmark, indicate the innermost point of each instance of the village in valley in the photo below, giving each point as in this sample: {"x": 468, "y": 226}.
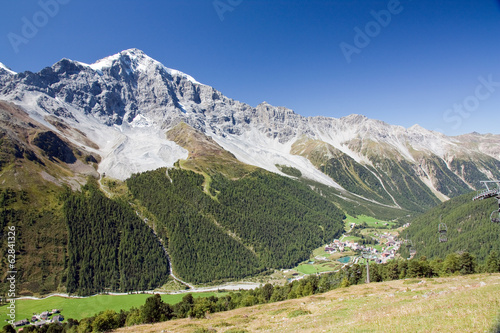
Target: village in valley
{"x": 389, "y": 243}
{"x": 44, "y": 318}
{"x": 365, "y": 239}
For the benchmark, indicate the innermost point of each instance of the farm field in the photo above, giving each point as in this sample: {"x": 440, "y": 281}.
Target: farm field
{"x": 370, "y": 221}
{"x": 349, "y": 238}
{"x": 78, "y": 308}
{"x": 317, "y": 268}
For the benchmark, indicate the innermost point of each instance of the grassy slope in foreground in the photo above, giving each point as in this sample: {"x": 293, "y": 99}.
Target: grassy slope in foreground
{"x": 78, "y": 308}
{"x": 454, "y": 304}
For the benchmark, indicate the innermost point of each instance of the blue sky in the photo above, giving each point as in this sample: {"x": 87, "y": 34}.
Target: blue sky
{"x": 435, "y": 63}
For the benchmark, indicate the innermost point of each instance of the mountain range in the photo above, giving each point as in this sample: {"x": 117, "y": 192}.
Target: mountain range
{"x": 127, "y": 115}
{"x": 120, "y": 108}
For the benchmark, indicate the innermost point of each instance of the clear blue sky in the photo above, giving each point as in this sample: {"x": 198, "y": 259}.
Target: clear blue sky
{"x": 415, "y": 65}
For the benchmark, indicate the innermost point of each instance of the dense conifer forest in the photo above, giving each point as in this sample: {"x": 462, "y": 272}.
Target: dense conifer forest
{"x": 109, "y": 247}
{"x": 468, "y": 224}
{"x": 240, "y": 227}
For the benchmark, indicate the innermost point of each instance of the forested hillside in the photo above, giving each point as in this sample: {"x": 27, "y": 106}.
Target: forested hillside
{"x": 199, "y": 249}
{"x": 110, "y": 248}
{"x": 243, "y": 227}
{"x": 40, "y": 238}
{"x": 388, "y": 180}
{"x": 468, "y": 229}
{"x": 30, "y": 188}
{"x": 343, "y": 169}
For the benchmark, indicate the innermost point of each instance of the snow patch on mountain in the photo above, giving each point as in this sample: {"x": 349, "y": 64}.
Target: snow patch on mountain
{"x": 30, "y": 103}
{"x": 175, "y": 72}
{"x": 124, "y": 149}
{"x": 129, "y": 148}
{"x": 255, "y": 149}
{"x": 138, "y": 150}
{"x": 182, "y": 107}
{"x": 104, "y": 63}
{"x": 140, "y": 121}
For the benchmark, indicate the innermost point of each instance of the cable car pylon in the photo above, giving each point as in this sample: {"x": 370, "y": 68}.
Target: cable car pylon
{"x": 491, "y": 193}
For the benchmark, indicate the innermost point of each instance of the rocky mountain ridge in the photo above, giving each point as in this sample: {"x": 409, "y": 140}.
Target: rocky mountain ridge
{"x": 124, "y": 104}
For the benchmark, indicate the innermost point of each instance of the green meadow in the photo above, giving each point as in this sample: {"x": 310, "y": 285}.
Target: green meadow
{"x": 316, "y": 268}
{"x": 78, "y": 308}
{"x": 370, "y": 221}
{"x": 350, "y": 238}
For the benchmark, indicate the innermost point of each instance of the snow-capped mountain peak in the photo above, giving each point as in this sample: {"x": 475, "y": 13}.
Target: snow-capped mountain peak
{"x": 5, "y": 68}
{"x": 135, "y": 60}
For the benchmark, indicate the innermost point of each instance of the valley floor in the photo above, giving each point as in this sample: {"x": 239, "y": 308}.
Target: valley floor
{"x": 453, "y": 304}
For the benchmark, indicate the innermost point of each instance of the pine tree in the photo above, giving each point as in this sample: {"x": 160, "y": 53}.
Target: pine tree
{"x": 467, "y": 263}
{"x": 154, "y": 310}
{"x": 451, "y": 264}
{"x": 493, "y": 262}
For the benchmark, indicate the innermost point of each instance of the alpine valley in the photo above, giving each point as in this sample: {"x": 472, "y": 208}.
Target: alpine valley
{"x": 107, "y": 167}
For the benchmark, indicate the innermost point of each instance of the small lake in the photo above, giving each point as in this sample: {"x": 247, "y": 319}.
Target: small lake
{"x": 344, "y": 260}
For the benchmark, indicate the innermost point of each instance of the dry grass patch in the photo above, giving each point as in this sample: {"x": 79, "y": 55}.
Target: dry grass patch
{"x": 454, "y": 304}
{"x": 297, "y": 313}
